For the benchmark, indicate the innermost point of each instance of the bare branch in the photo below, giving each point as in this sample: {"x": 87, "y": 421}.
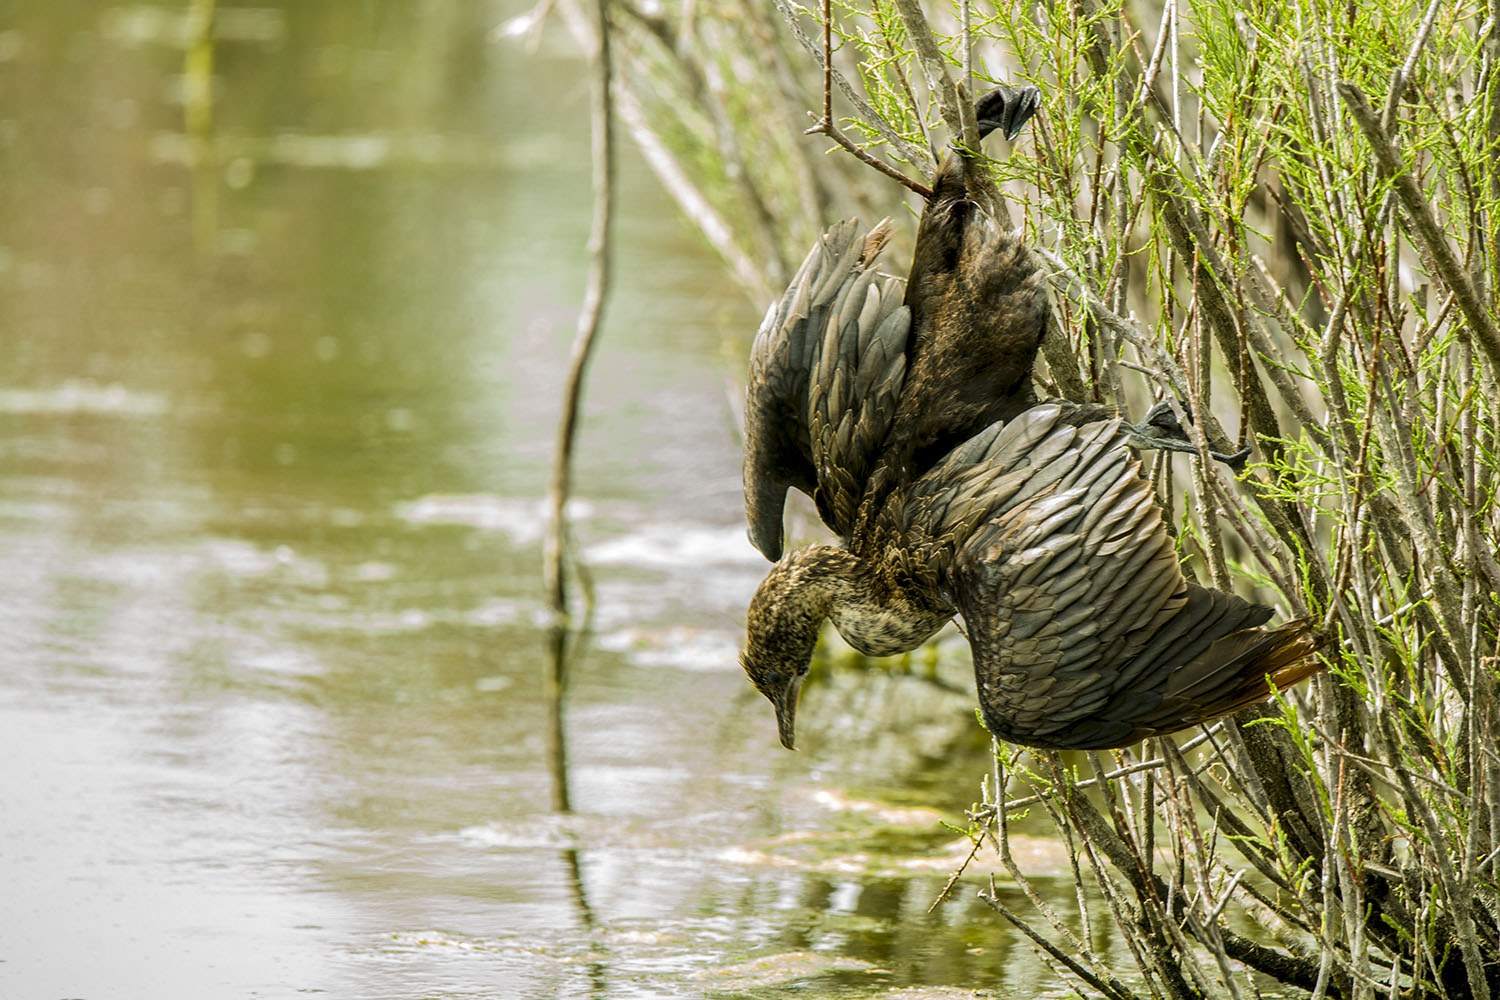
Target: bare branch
{"x": 589, "y": 314}
{"x": 911, "y": 154}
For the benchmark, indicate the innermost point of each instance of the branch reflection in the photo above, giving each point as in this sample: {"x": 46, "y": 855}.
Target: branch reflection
{"x": 564, "y": 647}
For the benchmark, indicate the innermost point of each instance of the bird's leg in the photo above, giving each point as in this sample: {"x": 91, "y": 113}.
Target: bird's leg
{"x": 1004, "y": 109}
{"x": 1160, "y": 428}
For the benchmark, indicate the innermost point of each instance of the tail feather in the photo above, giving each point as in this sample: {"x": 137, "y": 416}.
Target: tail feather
{"x": 1233, "y": 674}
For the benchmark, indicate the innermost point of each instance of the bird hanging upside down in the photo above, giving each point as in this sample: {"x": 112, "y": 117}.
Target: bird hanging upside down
{"x": 906, "y": 411}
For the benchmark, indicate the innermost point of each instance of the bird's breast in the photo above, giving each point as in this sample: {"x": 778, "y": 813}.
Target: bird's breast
{"x": 886, "y": 631}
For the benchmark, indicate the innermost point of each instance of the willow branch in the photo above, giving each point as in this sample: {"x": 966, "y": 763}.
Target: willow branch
{"x": 825, "y": 127}
{"x": 1427, "y": 234}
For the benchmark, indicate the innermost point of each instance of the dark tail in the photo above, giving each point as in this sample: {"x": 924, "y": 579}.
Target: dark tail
{"x": 1237, "y": 671}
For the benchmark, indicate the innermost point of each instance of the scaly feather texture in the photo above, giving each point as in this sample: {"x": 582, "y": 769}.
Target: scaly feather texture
{"x": 906, "y": 410}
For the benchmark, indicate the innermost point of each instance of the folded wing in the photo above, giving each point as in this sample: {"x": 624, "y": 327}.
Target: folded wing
{"x": 826, "y": 371}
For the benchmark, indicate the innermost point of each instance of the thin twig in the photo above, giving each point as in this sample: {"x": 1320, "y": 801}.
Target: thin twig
{"x": 1429, "y": 235}
{"x": 1113, "y": 989}
{"x": 918, "y": 158}
{"x": 1137, "y": 768}
{"x": 590, "y": 314}
{"x": 832, "y": 131}
{"x": 825, "y": 125}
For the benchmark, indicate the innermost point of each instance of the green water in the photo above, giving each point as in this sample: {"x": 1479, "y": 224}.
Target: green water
{"x": 275, "y": 707}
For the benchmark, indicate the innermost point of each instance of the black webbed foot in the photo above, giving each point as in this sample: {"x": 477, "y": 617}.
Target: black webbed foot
{"x": 1007, "y": 109}
{"x": 1160, "y": 429}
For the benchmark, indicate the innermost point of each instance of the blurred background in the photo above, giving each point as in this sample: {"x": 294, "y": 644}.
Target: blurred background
{"x": 285, "y": 300}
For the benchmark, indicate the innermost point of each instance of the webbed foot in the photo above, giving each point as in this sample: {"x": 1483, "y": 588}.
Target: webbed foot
{"x": 1006, "y": 109}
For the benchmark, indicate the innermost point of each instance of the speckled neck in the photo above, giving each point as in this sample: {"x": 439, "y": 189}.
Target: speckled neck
{"x": 874, "y": 616}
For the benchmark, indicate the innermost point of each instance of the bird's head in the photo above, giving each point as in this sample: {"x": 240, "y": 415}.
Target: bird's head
{"x": 781, "y": 629}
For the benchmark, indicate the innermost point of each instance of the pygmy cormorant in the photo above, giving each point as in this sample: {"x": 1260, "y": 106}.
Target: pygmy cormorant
{"x": 906, "y": 411}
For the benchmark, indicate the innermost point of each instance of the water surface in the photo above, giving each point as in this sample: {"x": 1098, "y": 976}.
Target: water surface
{"x": 278, "y": 713}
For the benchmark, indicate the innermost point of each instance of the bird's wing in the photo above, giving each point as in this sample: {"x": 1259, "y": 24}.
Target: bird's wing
{"x": 855, "y": 391}
{"x": 825, "y": 370}
{"x": 1084, "y": 632}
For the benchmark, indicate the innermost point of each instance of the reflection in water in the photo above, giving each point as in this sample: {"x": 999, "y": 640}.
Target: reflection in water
{"x": 198, "y": 120}
{"x": 274, "y": 434}
{"x": 565, "y": 645}
{"x": 557, "y": 736}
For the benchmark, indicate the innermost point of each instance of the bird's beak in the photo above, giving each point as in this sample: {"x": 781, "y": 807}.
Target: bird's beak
{"x": 785, "y": 704}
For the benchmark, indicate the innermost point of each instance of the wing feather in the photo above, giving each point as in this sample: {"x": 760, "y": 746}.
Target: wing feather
{"x": 1084, "y": 631}
{"x": 852, "y": 401}
{"x": 826, "y": 369}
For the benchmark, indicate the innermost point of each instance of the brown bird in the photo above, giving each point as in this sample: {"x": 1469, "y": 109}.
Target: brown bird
{"x": 906, "y": 411}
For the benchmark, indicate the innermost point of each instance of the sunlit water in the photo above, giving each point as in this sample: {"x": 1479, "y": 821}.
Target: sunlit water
{"x": 276, "y": 709}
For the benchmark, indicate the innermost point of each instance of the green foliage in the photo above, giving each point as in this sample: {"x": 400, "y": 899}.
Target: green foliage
{"x": 1221, "y": 228}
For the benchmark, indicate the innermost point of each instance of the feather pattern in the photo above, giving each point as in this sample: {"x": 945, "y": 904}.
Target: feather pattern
{"x": 1085, "y": 633}
{"x": 906, "y": 411}
{"x": 826, "y": 370}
